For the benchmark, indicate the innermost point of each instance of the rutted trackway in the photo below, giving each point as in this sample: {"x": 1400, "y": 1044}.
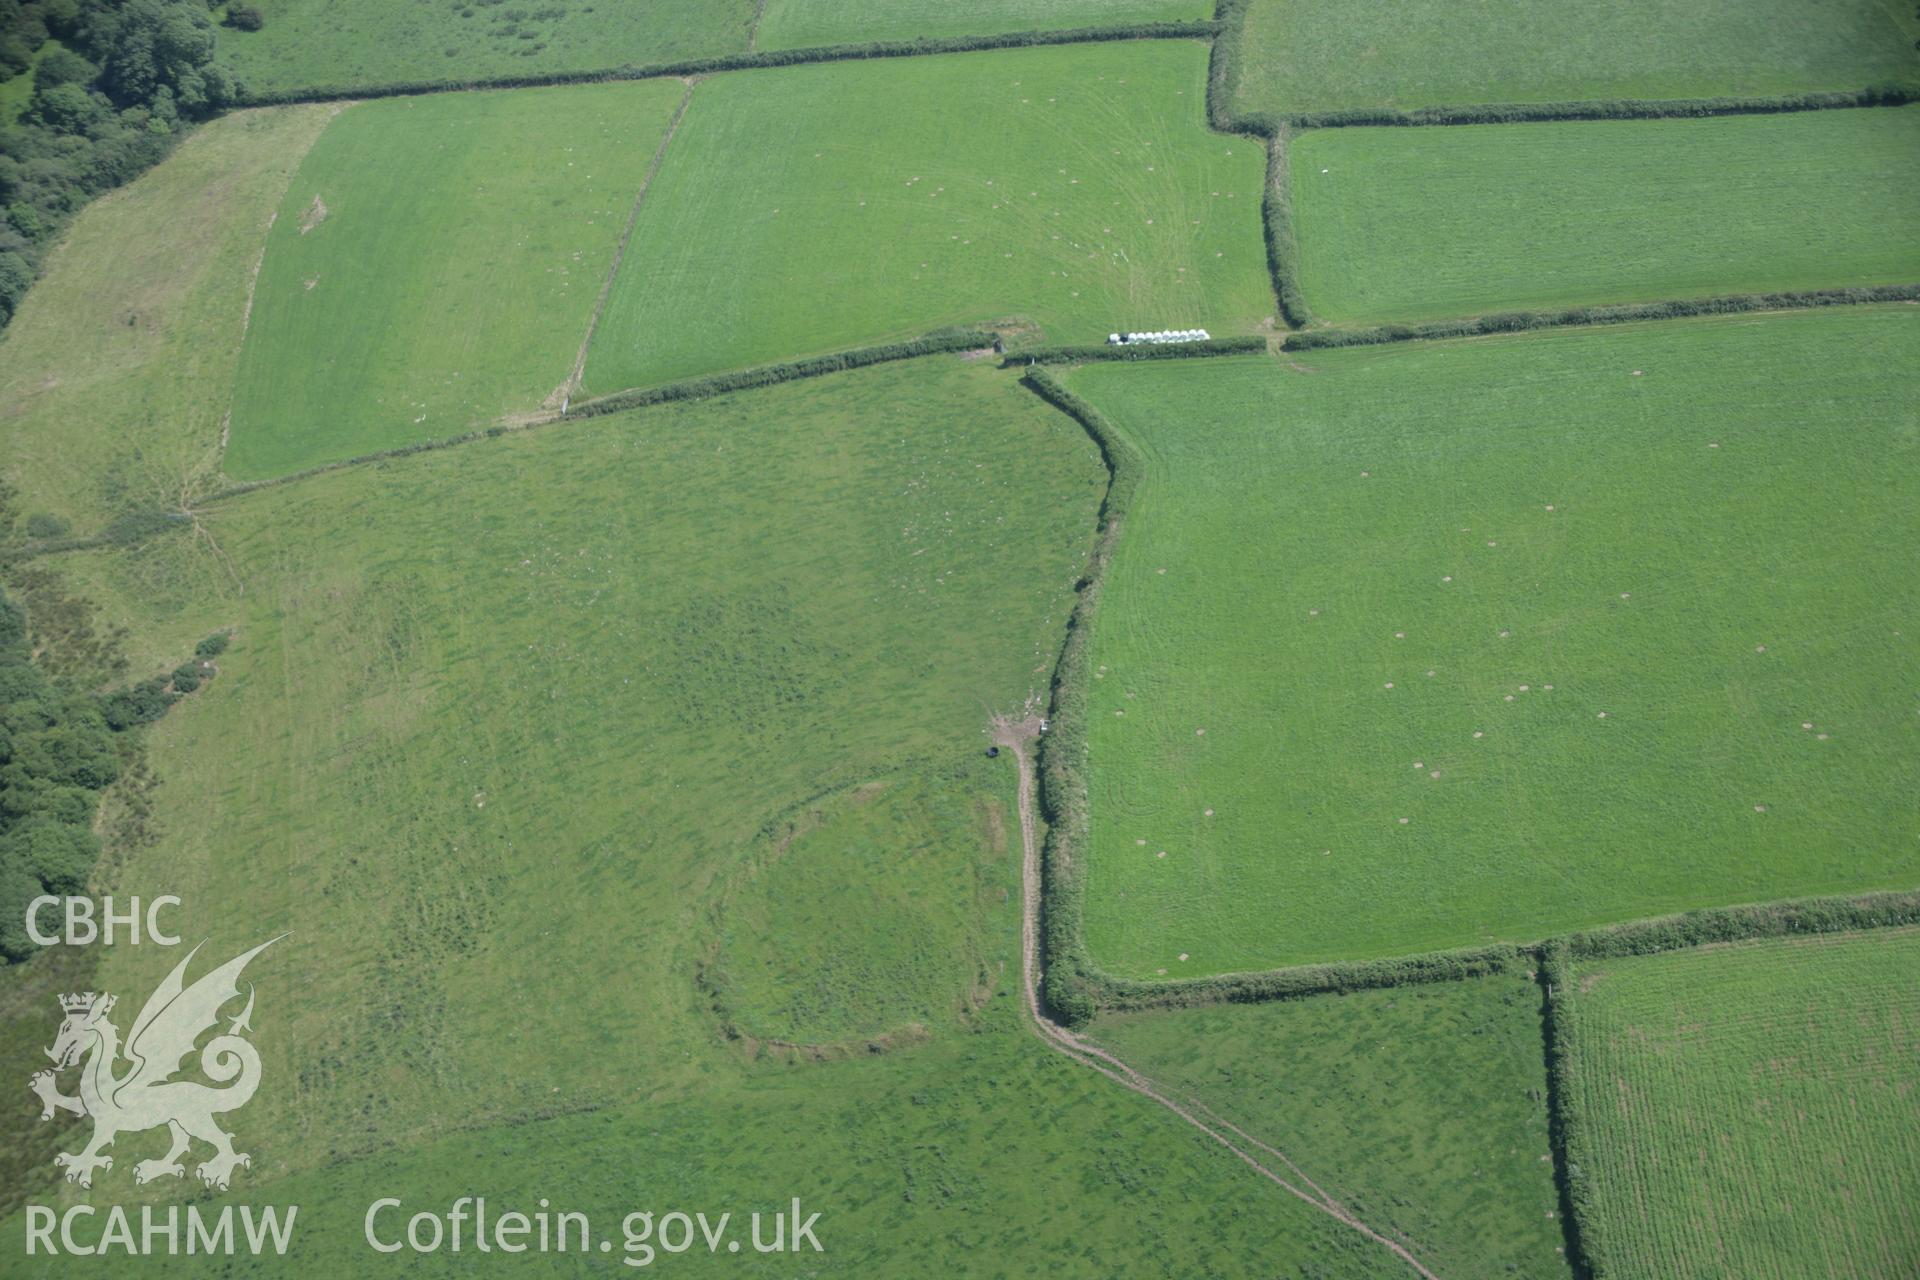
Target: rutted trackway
{"x": 1017, "y": 736}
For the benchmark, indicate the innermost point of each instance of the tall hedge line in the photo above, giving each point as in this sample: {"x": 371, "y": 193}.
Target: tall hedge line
{"x": 1244, "y": 345}
{"x": 1308, "y": 979}
{"x": 1566, "y": 1116}
{"x": 1841, "y": 914}
{"x": 1070, "y": 986}
{"x": 1882, "y": 95}
{"x": 942, "y": 340}
{"x": 767, "y": 375}
{"x": 1519, "y": 321}
{"x": 1283, "y": 250}
{"x": 1276, "y": 204}
{"x": 1202, "y": 30}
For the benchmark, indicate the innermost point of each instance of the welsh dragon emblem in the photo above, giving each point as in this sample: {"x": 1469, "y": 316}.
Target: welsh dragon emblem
{"x": 145, "y": 1095}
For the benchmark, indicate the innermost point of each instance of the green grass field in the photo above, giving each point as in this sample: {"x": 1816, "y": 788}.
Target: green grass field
{"x": 431, "y": 654}
{"x": 1426, "y": 53}
{"x": 1595, "y": 581}
{"x": 903, "y": 857}
{"x": 356, "y": 43}
{"x": 117, "y": 375}
{"x": 796, "y": 24}
{"x": 434, "y": 265}
{"x": 498, "y": 726}
{"x": 1417, "y": 224}
{"x": 1750, "y": 1109}
{"x": 983, "y": 1155}
{"x": 814, "y": 208}
{"x": 1421, "y": 1108}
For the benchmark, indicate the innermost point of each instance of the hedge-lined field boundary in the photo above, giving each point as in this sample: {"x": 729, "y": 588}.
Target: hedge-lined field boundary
{"x": 1625, "y": 313}
{"x": 1075, "y": 988}
{"x": 938, "y": 342}
{"x": 1246, "y": 344}
{"x": 1070, "y": 986}
{"x": 754, "y": 61}
{"x": 1791, "y": 917}
{"x": 1566, "y": 1115}
{"x": 1567, "y": 1105}
{"x": 1880, "y": 95}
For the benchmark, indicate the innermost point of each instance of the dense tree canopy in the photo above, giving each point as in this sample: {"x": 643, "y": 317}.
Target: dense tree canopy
{"x": 107, "y": 99}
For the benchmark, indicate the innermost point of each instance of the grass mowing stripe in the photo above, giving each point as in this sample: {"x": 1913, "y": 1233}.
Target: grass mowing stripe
{"x": 433, "y": 265}
{"x": 620, "y": 250}
{"x": 1748, "y": 1108}
{"x": 118, "y": 370}
{"x": 1420, "y": 224}
{"x": 803, "y": 210}
{"x": 1620, "y": 553}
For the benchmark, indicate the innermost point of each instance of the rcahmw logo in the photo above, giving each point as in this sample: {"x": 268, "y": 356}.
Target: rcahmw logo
{"x": 145, "y": 1095}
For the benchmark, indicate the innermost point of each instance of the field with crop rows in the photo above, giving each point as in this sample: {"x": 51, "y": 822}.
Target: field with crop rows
{"x": 434, "y": 265}
{"x": 1428, "y": 53}
{"x": 1418, "y": 224}
{"x": 1423, "y": 646}
{"x": 807, "y": 209}
{"x": 1750, "y": 1109}
{"x": 343, "y": 43}
{"x": 1423, "y": 1108}
{"x": 795, "y": 24}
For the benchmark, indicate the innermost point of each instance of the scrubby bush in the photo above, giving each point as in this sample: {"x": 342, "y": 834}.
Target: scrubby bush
{"x": 213, "y": 646}
{"x": 58, "y": 750}
{"x": 245, "y": 17}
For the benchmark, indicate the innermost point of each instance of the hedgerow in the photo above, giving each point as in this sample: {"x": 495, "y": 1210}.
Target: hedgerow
{"x": 1736, "y": 924}
{"x": 1308, "y": 979}
{"x": 1243, "y": 345}
{"x": 1627, "y": 313}
{"x": 1566, "y": 1115}
{"x": 1071, "y": 988}
{"x": 1202, "y": 30}
{"x": 944, "y": 340}
{"x": 1884, "y": 95}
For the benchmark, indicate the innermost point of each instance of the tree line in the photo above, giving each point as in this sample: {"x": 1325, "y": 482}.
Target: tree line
{"x": 114, "y": 82}
{"x": 60, "y": 747}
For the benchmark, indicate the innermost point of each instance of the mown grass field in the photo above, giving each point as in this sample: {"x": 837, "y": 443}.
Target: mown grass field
{"x": 1417, "y": 647}
{"x": 1417, "y": 224}
{"x": 351, "y": 44}
{"x": 814, "y": 208}
{"x": 1421, "y": 1108}
{"x": 116, "y": 377}
{"x": 1427, "y": 53}
{"x": 1750, "y": 1109}
{"x": 434, "y": 266}
{"x": 796, "y": 24}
